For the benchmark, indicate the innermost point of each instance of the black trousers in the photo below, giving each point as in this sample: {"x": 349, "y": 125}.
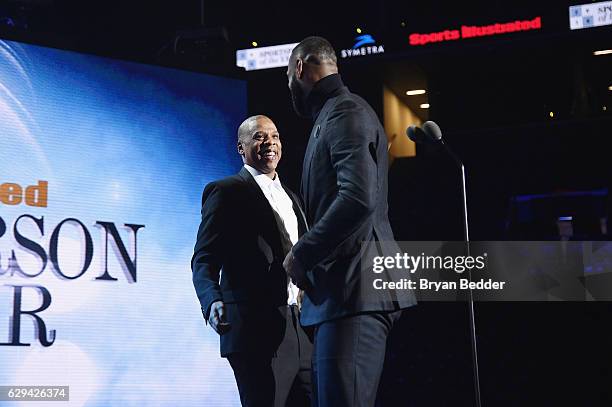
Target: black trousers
{"x": 283, "y": 379}
{"x": 348, "y": 359}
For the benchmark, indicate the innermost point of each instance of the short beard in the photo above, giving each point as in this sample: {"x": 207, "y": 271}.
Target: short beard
{"x": 298, "y": 98}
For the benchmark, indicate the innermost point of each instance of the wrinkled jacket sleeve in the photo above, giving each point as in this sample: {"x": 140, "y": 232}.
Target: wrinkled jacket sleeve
{"x": 208, "y": 255}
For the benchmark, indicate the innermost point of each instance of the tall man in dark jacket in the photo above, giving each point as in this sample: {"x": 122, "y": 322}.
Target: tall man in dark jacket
{"x": 249, "y": 223}
{"x": 344, "y": 186}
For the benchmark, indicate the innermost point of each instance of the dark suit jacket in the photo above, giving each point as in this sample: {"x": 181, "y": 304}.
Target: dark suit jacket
{"x": 344, "y": 187}
{"x": 238, "y": 259}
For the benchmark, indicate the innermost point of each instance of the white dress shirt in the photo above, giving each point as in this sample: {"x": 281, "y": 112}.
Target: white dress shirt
{"x": 282, "y": 208}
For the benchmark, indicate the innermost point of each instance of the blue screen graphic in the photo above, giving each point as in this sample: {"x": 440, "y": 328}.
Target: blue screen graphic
{"x": 103, "y": 165}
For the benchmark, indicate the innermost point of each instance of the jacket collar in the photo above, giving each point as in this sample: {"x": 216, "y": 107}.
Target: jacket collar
{"x": 323, "y": 90}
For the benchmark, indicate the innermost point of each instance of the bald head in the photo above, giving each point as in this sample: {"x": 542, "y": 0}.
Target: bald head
{"x": 247, "y": 127}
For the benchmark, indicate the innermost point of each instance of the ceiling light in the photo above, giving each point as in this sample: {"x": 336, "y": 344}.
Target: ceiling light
{"x": 415, "y": 92}
{"x": 551, "y": 114}
{"x": 358, "y": 30}
{"x": 424, "y": 106}
{"x": 603, "y": 52}
{"x": 254, "y": 43}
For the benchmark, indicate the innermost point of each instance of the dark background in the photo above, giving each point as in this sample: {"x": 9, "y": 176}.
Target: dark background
{"x": 492, "y": 98}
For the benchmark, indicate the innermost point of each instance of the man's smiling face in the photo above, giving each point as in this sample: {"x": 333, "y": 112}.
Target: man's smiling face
{"x": 260, "y": 147}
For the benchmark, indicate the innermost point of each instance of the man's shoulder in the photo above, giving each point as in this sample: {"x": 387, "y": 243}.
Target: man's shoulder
{"x": 226, "y": 182}
{"x": 223, "y": 188}
{"x": 349, "y": 101}
{"x": 352, "y": 108}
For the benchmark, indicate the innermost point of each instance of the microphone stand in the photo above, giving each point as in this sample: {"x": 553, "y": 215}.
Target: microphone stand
{"x": 466, "y": 237}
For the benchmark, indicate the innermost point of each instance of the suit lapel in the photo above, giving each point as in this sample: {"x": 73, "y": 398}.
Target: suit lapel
{"x": 299, "y": 213}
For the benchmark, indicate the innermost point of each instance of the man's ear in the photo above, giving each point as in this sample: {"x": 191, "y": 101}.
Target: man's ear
{"x": 240, "y": 148}
{"x": 299, "y": 68}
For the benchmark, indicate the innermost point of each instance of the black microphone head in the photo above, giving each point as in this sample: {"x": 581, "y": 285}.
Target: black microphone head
{"x": 432, "y": 130}
{"x": 416, "y": 134}
{"x": 411, "y": 132}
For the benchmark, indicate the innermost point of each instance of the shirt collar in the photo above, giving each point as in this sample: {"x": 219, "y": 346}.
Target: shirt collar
{"x": 324, "y": 89}
{"x": 261, "y": 178}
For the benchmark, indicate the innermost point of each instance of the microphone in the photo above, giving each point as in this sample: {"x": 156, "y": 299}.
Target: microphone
{"x": 429, "y": 134}
{"x": 432, "y": 130}
{"x": 415, "y": 133}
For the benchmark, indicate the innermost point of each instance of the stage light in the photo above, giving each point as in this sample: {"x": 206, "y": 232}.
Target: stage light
{"x": 551, "y": 114}
{"x": 610, "y": 87}
{"x": 403, "y": 24}
{"x": 415, "y": 92}
{"x": 603, "y": 52}
{"x": 604, "y": 108}
{"x": 254, "y": 43}
{"x": 424, "y": 106}
{"x": 358, "y": 30}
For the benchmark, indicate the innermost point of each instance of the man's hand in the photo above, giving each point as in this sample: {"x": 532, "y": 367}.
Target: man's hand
{"x": 217, "y": 318}
{"x": 295, "y": 271}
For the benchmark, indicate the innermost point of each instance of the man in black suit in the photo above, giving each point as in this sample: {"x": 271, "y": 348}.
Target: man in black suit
{"x": 249, "y": 223}
{"x": 344, "y": 187}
